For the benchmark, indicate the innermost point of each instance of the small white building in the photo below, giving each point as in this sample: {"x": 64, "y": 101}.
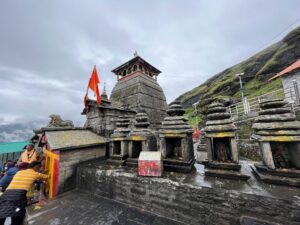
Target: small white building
{"x": 291, "y": 82}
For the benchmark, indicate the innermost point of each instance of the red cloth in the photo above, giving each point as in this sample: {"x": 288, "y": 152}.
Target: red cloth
{"x": 196, "y": 133}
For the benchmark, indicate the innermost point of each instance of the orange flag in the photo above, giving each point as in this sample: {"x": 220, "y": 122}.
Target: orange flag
{"x": 93, "y": 85}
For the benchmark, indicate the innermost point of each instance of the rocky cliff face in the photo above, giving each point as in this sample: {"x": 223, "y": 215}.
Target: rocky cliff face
{"x": 258, "y": 69}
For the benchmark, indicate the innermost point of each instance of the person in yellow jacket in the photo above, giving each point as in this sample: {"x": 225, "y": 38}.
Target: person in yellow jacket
{"x": 13, "y": 202}
{"x": 29, "y": 155}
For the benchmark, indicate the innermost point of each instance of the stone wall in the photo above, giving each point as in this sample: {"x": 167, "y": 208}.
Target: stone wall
{"x": 69, "y": 161}
{"x": 287, "y": 83}
{"x": 102, "y": 120}
{"x": 249, "y": 149}
{"x": 187, "y": 203}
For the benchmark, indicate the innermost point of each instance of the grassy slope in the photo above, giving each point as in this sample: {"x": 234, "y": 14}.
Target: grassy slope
{"x": 258, "y": 69}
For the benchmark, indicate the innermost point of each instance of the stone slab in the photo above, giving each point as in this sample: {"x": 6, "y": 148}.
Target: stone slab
{"x": 274, "y": 179}
{"x": 173, "y": 165}
{"x": 224, "y": 166}
{"x": 78, "y": 207}
{"x": 275, "y": 117}
{"x": 220, "y": 128}
{"x": 226, "y": 174}
{"x": 220, "y": 134}
{"x": 150, "y": 164}
{"x": 279, "y": 138}
{"x": 218, "y": 122}
{"x": 276, "y": 125}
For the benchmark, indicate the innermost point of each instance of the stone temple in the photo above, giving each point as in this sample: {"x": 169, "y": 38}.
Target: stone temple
{"x": 102, "y": 162}
{"x": 137, "y": 88}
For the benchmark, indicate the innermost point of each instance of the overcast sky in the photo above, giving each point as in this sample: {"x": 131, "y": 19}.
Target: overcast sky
{"x": 48, "y": 48}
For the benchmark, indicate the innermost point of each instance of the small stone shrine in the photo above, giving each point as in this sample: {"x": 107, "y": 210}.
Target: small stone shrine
{"x": 222, "y": 151}
{"x": 278, "y": 133}
{"x": 141, "y": 138}
{"x": 118, "y": 151}
{"x": 176, "y": 143}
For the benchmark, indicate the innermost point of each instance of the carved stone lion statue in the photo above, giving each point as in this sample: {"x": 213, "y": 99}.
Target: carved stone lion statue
{"x": 56, "y": 121}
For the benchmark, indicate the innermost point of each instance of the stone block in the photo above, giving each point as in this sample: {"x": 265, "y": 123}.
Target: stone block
{"x": 150, "y": 164}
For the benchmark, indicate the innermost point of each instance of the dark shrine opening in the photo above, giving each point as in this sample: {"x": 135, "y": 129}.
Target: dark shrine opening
{"x": 116, "y": 147}
{"x": 173, "y": 148}
{"x": 136, "y": 149}
{"x": 285, "y": 154}
{"x": 221, "y": 149}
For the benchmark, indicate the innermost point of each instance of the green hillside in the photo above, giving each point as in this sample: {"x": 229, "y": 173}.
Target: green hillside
{"x": 257, "y": 70}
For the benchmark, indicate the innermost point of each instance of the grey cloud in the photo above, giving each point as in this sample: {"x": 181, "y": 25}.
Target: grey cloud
{"x": 49, "y": 48}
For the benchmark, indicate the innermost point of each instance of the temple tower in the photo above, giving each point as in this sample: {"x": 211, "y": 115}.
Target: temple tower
{"x": 137, "y": 88}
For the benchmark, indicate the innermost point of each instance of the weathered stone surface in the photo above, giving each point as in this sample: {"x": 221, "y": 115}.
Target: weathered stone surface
{"x": 140, "y": 91}
{"x": 122, "y": 126}
{"x": 281, "y": 138}
{"x": 216, "y": 109}
{"x": 275, "y": 117}
{"x": 102, "y": 118}
{"x": 278, "y": 176}
{"x": 274, "y": 111}
{"x": 80, "y": 207}
{"x": 141, "y": 138}
{"x": 220, "y": 128}
{"x": 218, "y": 116}
{"x": 191, "y": 199}
{"x": 220, "y": 134}
{"x": 274, "y": 103}
{"x": 279, "y": 142}
{"x": 218, "y": 122}
{"x": 215, "y": 105}
{"x": 221, "y": 144}
{"x": 176, "y": 143}
{"x": 277, "y": 125}
{"x": 278, "y": 132}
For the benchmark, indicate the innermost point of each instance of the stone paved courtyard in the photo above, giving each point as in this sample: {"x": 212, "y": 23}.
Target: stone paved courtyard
{"x": 80, "y": 208}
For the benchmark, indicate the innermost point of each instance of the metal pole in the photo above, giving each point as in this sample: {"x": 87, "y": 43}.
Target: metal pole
{"x": 242, "y": 90}
{"x": 241, "y": 84}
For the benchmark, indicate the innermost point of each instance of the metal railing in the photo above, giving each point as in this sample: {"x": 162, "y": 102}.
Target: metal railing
{"x": 4, "y": 157}
{"x": 250, "y": 106}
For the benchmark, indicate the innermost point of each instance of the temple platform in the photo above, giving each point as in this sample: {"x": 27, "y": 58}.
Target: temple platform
{"x": 225, "y": 170}
{"x": 289, "y": 177}
{"x": 193, "y": 198}
{"x": 78, "y": 207}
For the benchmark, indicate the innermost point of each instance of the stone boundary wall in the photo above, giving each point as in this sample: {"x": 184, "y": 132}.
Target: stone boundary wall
{"x": 185, "y": 202}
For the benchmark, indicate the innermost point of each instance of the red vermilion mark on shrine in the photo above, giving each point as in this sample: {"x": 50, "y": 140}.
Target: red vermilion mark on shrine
{"x": 150, "y": 168}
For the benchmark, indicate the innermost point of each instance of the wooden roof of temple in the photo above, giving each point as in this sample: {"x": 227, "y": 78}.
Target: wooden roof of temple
{"x": 136, "y": 64}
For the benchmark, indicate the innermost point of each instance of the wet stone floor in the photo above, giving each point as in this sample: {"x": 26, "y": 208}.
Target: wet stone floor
{"x": 76, "y": 207}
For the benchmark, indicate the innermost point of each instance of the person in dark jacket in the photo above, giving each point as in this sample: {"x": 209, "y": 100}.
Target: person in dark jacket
{"x": 12, "y": 169}
{"x": 13, "y": 202}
